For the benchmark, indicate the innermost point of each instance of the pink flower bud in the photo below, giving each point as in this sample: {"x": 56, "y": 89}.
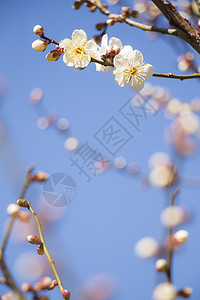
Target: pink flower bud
{"x": 13, "y": 209}
{"x": 38, "y": 29}
{"x": 40, "y": 250}
{"x": 66, "y": 294}
{"x": 40, "y": 45}
{"x": 33, "y": 239}
{"x": 40, "y": 176}
{"x": 23, "y": 203}
{"x": 111, "y": 22}
{"x": 93, "y": 8}
{"x": 27, "y": 287}
{"x": 54, "y": 55}
{"x": 45, "y": 282}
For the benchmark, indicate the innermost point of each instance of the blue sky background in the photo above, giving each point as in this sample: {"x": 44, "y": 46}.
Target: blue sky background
{"x": 98, "y": 230}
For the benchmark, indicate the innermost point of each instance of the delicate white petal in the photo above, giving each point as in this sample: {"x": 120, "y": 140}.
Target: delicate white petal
{"x": 83, "y": 62}
{"x": 136, "y": 87}
{"x": 148, "y": 71}
{"x": 79, "y": 36}
{"x": 91, "y": 47}
{"x": 120, "y": 61}
{"x": 113, "y": 42}
{"x": 104, "y": 42}
{"x": 68, "y": 61}
{"x": 136, "y": 57}
{"x": 64, "y": 43}
{"x": 120, "y": 78}
{"x": 126, "y": 50}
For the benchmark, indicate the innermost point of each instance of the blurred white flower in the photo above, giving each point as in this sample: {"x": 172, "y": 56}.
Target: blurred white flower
{"x": 163, "y": 176}
{"x": 147, "y": 247}
{"x": 130, "y": 69}
{"x": 164, "y": 291}
{"x": 173, "y": 216}
{"x": 108, "y": 50}
{"x": 78, "y": 51}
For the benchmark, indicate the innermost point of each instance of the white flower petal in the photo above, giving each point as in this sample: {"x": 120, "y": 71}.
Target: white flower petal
{"x": 148, "y": 71}
{"x": 64, "y": 43}
{"x": 83, "y": 62}
{"x": 79, "y": 36}
{"x": 113, "y": 42}
{"x": 136, "y": 87}
{"x": 120, "y": 78}
{"x": 68, "y": 61}
{"x": 136, "y": 57}
{"x": 120, "y": 61}
{"x": 126, "y": 50}
{"x": 91, "y": 47}
{"x": 104, "y": 42}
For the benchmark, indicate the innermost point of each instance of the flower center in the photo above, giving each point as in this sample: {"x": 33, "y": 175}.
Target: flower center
{"x": 79, "y": 50}
{"x": 132, "y": 71}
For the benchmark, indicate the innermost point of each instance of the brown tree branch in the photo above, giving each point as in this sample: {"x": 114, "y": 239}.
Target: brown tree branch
{"x": 185, "y": 29}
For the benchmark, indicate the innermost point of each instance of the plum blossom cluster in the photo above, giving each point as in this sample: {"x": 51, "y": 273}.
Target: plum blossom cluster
{"x": 128, "y": 64}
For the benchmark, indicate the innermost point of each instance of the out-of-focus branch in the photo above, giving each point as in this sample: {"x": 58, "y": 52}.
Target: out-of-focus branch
{"x": 185, "y": 29}
{"x": 170, "y": 246}
{"x": 8, "y": 277}
{"x": 122, "y": 19}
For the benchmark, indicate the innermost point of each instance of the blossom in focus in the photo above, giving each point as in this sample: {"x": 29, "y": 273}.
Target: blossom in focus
{"x": 78, "y": 51}
{"x": 40, "y": 45}
{"x": 164, "y": 291}
{"x": 130, "y": 69}
{"x": 107, "y": 52}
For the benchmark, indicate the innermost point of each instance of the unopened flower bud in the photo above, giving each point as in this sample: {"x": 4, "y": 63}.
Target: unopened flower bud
{"x": 45, "y": 283}
{"x": 134, "y": 14}
{"x": 33, "y": 239}
{"x": 13, "y": 209}
{"x": 53, "y": 284}
{"x": 40, "y": 250}
{"x": 97, "y": 38}
{"x": 23, "y": 203}
{"x": 186, "y": 292}
{"x": 125, "y": 11}
{"x": 54, "y": 55}
{"x": 101, "y": 25}
{"x": 24, "y": 216}
{"x": 27, "y": 287}
{"x": 40, "y": 176}
{"x": 78, "y": 4}
{"x": 161, "y": 265}
{"x": 66, "y": 294}
{"x": 92, "y": 8}
{"x": 111, "y": 22}
{"x": 40, "y": 45}
{"x": 181, "y": 236}
{"x": 38, "y": 29}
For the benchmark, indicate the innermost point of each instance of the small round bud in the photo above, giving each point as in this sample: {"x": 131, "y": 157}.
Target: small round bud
{"x": 92, "y": 8}
{"x": 125, "y": 11}
{"x": 164, "y": 291}
{"x": 38, "y": 29}
{"x": 66, "y": 294}
{"x": 13, "y": 209}
{"x": 40, "y": 176}
{"x": 40, "y": 250}
{"x": 27, "y": 287}
{"x": 39, "y": 45}
{"x": 78, "y": 4}
{"x": 186, "y": 292}
{"x": 181, "y": 236}
{"x": 23, "y": 203}
{"x": 111, "y": 22}
{"x": 45, "y": 283}
{"x": 135, "y": 14}
{"x": 33, "y": 239}
{"x": 54, "y": 55}
{"x": 161, "y": 265}
{"x": 36, "y": 95}
{"x": 101, "y": 25}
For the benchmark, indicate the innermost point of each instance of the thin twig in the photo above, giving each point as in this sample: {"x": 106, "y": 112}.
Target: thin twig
{"x": 170, "y": 246}
{"x": 51, "y": 261}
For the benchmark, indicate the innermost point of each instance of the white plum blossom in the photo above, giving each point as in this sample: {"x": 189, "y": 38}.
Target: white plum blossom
{"x": 130, "y": 69}
{"x": 107, "y": 51}
{"x": 78, "y": 51}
